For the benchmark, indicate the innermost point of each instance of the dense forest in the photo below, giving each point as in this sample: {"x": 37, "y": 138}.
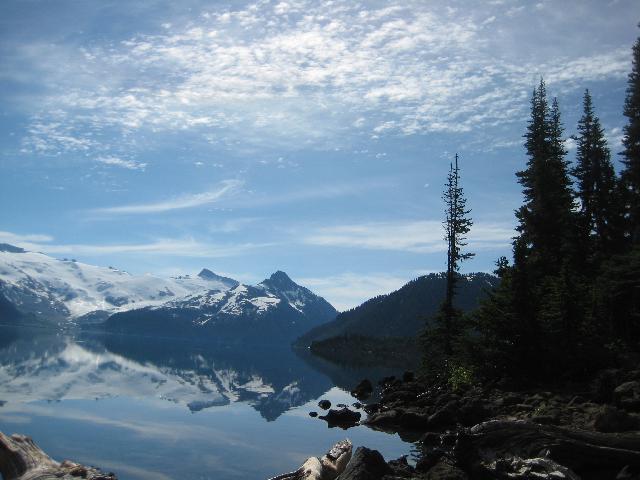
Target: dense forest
{"x": 570, "y": 297}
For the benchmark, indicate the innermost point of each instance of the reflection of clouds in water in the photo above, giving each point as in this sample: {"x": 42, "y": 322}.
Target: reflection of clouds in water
{"x": 74, "y": 372}
{"x": 15, "y": 419}
{"x": 167, "y": 429}
{"x": 136, "y": 432}
{"x": 125, "y": 470}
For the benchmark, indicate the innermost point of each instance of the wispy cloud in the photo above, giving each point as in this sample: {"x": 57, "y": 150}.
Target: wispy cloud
{"x": 180, "y": 247}
{"x": 185, "y": 201}
{"x": 121, "y": 162}
{"x": 19, "y": 239}
{"x": 310, "y": 72}
{"x": 416, "y": 236}
{"x": 320, "y": 192}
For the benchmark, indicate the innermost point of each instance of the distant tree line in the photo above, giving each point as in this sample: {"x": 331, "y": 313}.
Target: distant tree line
{"x": 569, "y": 302}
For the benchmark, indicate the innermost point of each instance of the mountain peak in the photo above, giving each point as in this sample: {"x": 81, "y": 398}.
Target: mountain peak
{"x": 280, "y": 276}
{"x": 5, "y": 247}
{"x": 207, "y": 274}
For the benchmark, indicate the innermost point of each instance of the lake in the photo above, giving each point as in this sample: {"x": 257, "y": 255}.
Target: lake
{"x": 148, "y": 408}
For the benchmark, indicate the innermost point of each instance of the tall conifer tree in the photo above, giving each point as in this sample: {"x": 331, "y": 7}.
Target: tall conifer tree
{"x": 457, "y": 224}
{"x": 631, "y": 142}
{"x": 545, "y": 218}
{"x": 596, "y": 183}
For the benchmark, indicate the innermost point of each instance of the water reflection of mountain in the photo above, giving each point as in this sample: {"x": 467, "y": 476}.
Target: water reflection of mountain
{"x": 39, "y": 366}
{"x": 273, "y": 379}
{"x": 36, "y": 364}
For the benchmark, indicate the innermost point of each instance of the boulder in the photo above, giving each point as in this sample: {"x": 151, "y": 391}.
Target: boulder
{"x": 363, "y": 390}
{"x": 445, "y": 470}
{"x": 445, "y": 416}
{"x": 22, "y": 459}
{"x": 324, "y": 404}
{"x": 365, "y": 464}
{"x": 610, "y": 419}
{"x": 400, "y": 419}
{"x": 627, "y": 396}
{"x": 527, "y": 469}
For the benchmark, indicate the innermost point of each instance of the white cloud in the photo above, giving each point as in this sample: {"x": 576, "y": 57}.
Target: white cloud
{"x": 185, "y": 201}
{"x": 308, "y": 71}
{"x": 123, "y": 163}
{"x": 348, "y": 290}
{"x": 182, "y": 247}
{"x": 166, "y": 247}
{"x": 18, "y": 239}
{"x": 415, "y": 236}
{"x": 321, "y": 192}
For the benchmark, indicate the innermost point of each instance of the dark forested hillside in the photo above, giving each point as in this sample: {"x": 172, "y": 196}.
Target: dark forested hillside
{"x": 404, "y": 312}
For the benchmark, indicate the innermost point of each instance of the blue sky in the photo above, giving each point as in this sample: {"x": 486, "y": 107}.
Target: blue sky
{"x": 308, "y": 136}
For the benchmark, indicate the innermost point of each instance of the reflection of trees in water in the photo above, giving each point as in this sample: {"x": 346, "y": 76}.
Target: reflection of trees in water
{"x": 345, "y": 376}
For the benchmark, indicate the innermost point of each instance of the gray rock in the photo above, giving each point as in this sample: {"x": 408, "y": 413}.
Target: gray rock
{"x": 363, "y": 390}
{"x": 366, "y": 464}
{"x": 444, "y": 470}
{"x": 609, "y": 420}
{"x": 627, "y": 396}
{"x": 445, "y": 416}
{"x": 343, "y": 418}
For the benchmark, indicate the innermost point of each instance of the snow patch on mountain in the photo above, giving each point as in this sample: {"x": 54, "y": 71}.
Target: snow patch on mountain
{"x": 66, "y": 289}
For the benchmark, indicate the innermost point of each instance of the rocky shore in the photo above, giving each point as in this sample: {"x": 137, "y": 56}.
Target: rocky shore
{"x": 22, "y": 459}
{"x": 582, "y": 431}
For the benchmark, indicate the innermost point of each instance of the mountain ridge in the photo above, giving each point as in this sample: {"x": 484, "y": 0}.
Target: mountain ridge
{"x": 404, "y": 312}
{"x": 276, "y": 307}
{"x": 66, "y": 293}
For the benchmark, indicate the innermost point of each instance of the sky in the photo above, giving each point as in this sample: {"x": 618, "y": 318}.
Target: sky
{"x": 312, "y": 137}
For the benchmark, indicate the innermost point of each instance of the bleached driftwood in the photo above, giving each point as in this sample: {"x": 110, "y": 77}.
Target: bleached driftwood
{"x": 328, "y": 467}
{"x": 22, "y": 459}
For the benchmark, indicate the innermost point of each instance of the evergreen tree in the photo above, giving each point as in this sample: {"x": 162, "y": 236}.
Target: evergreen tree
{"x": 457, "y": 224}
{"x": 596, "y": 184}
{"x": 530, "y": 320}
{"x": 631, "y": 142}
{"x": 546, "y": 218}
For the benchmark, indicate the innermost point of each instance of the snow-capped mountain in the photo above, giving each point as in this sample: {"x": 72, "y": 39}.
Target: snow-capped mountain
{"x": 65, "y": 290}
{"x": 70, "y": 292}
{"x": 276, "y": 306}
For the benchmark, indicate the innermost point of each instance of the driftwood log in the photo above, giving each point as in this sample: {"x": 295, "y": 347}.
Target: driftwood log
{"x": 328, "y": 467}
{"x": 579, "y": 450}
{"x": 22, "y": 459}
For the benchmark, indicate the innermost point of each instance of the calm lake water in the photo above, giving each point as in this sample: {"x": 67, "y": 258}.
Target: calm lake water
{"x": 158, "y": 409}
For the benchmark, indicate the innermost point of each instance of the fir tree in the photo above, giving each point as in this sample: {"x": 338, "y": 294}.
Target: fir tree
{"x": 596, "y": 184}
{"x": 457, "y": 224}
{"x": 631, "y": 142}
{"x": 546, "y": 218}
